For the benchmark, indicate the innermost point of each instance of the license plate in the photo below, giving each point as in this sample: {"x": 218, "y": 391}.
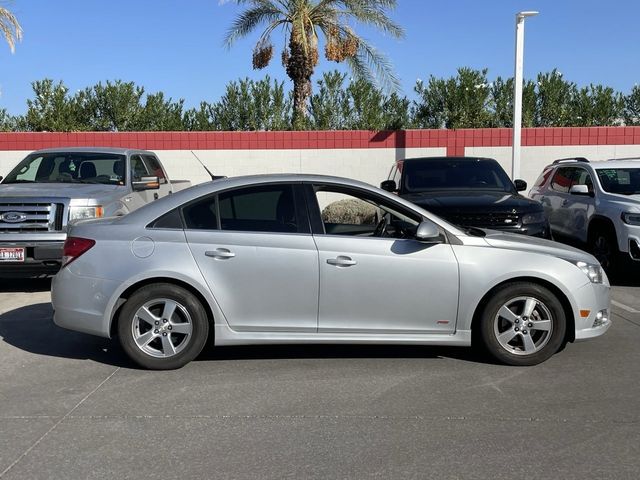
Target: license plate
{"x": 11, "y": 254}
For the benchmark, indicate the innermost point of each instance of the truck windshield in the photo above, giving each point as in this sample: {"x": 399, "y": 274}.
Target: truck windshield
{"x": 67, "y": 167}
{"x": 623, "y": 181}
{"x": 441, "y": 174}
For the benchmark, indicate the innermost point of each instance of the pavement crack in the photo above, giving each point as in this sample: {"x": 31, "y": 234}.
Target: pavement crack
{"x": 55, "y": 425}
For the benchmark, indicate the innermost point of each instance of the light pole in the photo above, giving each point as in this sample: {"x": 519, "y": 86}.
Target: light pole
{"x": 517, "y": 92}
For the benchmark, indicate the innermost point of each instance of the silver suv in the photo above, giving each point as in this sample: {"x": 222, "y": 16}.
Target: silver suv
{"x": 594, "y": 203}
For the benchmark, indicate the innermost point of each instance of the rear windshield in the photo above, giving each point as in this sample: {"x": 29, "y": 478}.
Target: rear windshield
{"x": 437, "y": 174}
{"x": 76, "y": 167}
{"x": 624, "y": 181}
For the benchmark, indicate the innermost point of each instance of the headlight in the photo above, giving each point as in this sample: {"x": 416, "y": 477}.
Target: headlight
{"x": 631, "y": 218}
{"x": 594, "y": 272}
{"x": 529, "y": 218}
{"x": 82, "y": 213}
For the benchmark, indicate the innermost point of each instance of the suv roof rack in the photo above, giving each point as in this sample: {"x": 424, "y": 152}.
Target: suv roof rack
{"x": 571, "y": 159}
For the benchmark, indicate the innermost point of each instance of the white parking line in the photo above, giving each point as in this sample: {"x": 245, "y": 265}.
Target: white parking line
{"x": 624, "y": 307}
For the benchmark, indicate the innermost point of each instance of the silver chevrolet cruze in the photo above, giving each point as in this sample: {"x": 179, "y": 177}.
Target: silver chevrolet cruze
{"x": 282, "y": 259}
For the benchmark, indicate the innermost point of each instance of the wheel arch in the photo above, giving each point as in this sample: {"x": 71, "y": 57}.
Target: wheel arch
{"x": 564, "y": 301}
{"x": 599, "y": 221}
{"x": 115, "y": 314}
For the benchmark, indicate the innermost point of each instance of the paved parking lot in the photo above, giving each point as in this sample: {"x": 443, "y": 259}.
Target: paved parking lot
{"x": 74, "y": 407}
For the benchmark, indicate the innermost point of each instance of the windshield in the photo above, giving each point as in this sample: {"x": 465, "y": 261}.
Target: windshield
{"x": 67, "y": 167}
{"x": 442, "y": 174}
{"x": 624, "y": 181}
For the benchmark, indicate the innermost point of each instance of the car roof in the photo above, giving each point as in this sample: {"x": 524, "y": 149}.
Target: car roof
{"x": 113, "y": 150}
{"x": 457, "y": 159}
{"x": 601, "y": 164}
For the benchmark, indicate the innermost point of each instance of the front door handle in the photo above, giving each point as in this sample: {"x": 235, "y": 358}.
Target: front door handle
{"x": 220, "y": 253}
{"x": 341, "y": 261}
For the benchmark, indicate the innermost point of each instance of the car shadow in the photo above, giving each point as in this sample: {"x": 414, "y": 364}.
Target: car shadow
{"x": 20, "y": 284}
{"x": 31, "y": 328}
{"x": 628, "y": 277}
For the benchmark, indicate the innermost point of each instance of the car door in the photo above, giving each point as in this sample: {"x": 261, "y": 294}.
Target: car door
{"x": 580, "y": 207}
{"x": 254, "y": 248}
{"x": 558, "y": 198}
{"x": 372, "y": 283}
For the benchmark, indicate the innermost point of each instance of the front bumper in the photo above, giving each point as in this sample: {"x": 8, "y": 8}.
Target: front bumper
{"x": 594, "y": 298}
{"x": 40, "y": 257}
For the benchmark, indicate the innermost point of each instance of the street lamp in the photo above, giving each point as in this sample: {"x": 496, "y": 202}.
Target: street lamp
{"x": 517, "y": 92}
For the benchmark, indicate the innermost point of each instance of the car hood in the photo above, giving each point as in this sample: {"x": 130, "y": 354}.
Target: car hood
{"x": 62, "y": 190}
{"x": 526, "y": 243}
{"x": 472, "y": 200}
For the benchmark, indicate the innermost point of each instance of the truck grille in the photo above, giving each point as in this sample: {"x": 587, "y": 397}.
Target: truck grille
{"x": 497, "y": 220}
{"x": 17, "y": 217}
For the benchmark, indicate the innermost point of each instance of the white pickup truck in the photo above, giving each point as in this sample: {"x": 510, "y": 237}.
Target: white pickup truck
{"x": 50, "y": 188}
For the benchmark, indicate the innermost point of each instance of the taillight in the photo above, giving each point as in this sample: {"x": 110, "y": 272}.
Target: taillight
{"x": 74, "y": 247}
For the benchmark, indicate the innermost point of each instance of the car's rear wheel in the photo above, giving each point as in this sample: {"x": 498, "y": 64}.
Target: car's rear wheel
{"x": 163, "y": 327}
{"x": 523, "y": 324}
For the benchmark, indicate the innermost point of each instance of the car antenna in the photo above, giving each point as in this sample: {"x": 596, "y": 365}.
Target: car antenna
{"x": 213, "y": 177}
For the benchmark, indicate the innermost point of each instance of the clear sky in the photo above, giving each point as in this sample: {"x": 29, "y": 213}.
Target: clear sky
{"x": 175, "y": 46}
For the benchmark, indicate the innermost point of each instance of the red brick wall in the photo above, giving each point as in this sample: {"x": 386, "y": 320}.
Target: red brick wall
{"x": 454, "y": 140}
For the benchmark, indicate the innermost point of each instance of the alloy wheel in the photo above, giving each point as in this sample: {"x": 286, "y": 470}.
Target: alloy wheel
{"x": 162, "y": 328}
{"x": 523, "y": 325}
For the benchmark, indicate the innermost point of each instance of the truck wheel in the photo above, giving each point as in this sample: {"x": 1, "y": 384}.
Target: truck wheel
{"x": 604, "y": 246}
{"x": 523, "y": 324}
{"x": 163, "y": 327}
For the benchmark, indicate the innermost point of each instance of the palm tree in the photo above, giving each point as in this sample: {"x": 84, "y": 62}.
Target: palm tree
{"x": 301, "y": 22}
{"x": 10, "y": 28}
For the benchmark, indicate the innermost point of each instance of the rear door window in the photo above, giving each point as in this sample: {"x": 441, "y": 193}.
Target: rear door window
{"x": 561, "y": 181}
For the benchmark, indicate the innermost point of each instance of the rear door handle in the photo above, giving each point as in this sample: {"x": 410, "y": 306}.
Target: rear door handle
{"x": 220, "y": 253}
{"x": 341, "y": 261}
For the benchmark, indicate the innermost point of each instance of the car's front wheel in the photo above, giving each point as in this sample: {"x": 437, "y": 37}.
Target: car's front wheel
{"x": 163, "y": 326}
{"x": 523, "y": 324}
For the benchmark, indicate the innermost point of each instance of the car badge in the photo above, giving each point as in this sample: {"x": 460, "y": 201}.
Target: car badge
{"x": 13, "y": 217}
{"x": 508, "y": 220}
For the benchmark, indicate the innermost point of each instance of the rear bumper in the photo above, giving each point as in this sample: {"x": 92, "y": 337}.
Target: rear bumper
{"x": 39, "y": 258}
{"x": 80, "y": 302}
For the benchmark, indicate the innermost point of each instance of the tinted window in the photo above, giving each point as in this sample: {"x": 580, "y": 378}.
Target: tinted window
{"x": 562, "y": 179}
{"x": 155, "y": 168}
{"x": 625, "y": 181}
{"x": 544, "y": 176}
{"x": 170, "y": 220}
{"x": 452, "y": 174}
{"x": 269, "y": 208}
{"x": 201, "y": 215}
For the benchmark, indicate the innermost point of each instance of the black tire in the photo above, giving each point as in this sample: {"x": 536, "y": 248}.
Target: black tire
{"x": 603, "y": 245}
{"x": 547, "y": 311}
{"x": 187, "y": 327}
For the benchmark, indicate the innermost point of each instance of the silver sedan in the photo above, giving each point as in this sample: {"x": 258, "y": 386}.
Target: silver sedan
{"x": 282, "y": 259}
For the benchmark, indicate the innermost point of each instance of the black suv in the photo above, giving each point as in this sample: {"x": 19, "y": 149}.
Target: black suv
{"x": 469, "y": 192}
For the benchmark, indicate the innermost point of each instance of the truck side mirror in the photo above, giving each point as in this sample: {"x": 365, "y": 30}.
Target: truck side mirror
{"x": 389, "y": 186}
{"x": 521, "y": 185}
{"x": 145, "y": 183}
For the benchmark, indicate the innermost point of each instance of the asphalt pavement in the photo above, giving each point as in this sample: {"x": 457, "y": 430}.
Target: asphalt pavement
{"x": 73, "y": 407}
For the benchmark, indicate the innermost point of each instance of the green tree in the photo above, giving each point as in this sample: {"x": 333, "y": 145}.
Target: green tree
{"x": 502, "y": 103}
{"x": 329, "y": 107}
{"x": 302, "y": 21}
{"x": 458, "y": 102}
{"x": 159, "y": 114}
{"x": 52, "y": 109}
{"x": 112, "y": 107}
{"x": 8, "y": 123}
{"x": 596, "y": 106}
{"x": 632, "y": 107}
{"x": 554, "y": 100}
{"x": 10, "y": 28}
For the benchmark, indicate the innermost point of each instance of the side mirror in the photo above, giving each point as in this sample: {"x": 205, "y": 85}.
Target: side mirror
{"x": 521, "y": 185}
{"x": 428, "y": 232}
{"x": 389, "y": 186}
{"x": 579, "y": 190}
{"x": 146, "y": 183}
